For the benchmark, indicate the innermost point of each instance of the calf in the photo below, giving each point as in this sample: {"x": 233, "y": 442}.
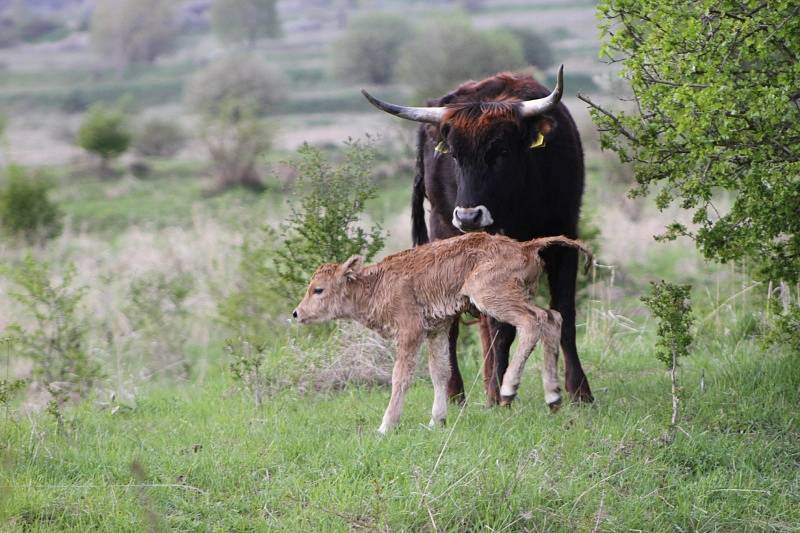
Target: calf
{"x": 419, "y": 293}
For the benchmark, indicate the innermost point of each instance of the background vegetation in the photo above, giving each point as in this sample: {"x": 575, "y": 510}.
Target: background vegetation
{"x": 149, "y": 378}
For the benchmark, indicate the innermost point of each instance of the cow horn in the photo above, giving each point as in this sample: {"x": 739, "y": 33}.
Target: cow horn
{"x": 531, "y": 108}
{"x": 433, "y": 115}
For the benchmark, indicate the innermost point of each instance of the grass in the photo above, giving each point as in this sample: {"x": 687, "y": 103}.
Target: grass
{"x": 210, "y": 460}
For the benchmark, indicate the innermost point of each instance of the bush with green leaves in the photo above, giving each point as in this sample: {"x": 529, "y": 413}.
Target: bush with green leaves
{"x": 25, "y": 207}
{"x": 535, "y": 48}
{"x": 245, "y": 21}
{"x": 158, "y": 137}
{"x": 447, "y": 52}
{"x": 322, "y": 226}
{"x": 54, "y": 335}
{"x": 715, "y": 122}
{"x": 160, "y": 319}
{"x": 104, "y": 132}
{"x": 370, "y": 47}
{"x": 670, "y": 304}
{"x": 133, "y": 31}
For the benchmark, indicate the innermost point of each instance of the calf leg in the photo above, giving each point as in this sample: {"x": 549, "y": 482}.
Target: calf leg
{"x": 402, "y": 375}
{"x": 551, "y": 337}
{"x": 529, "y": 331}
{"x": 439, "y": 366}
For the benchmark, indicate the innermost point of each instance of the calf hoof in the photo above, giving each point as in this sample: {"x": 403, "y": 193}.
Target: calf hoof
{"x": 433, "y": 424}
{"x": 505, "y": 401}
{"x": 554, "y": 405}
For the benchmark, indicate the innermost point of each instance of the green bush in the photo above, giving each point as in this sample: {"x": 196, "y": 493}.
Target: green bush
{"x": 323, "y": 226}
{"x": 25, "y": 209}
{"x": 535, "y": 48}
{"x": 159, "y": 138}
{"x": 247, "y": 21}
{"x": 56, "y": 338}
{"x": 235, "y": 85}
{"x": 445, "y": 53}
{"x": 104, "y": 132}
{"x": 370, "y": 48}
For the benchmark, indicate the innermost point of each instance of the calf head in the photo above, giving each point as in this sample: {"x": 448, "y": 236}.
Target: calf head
{"x": 330, "y": 293}
{"x": 489, "y": 140}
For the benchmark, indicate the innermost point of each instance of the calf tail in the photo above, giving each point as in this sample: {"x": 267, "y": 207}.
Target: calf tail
{"x": 537, "y": 245}
{"x": 419, "y": 230}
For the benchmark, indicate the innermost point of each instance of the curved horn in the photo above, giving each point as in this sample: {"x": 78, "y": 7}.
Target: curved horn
{"x": 432, "y": 115}
{"x": 531, "y": 108}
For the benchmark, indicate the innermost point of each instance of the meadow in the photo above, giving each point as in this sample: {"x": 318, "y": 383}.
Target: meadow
{"x": 167, "y": 435}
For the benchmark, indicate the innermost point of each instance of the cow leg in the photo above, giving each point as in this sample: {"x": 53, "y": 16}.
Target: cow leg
{"x": 439, "y": 366}
{"x": 402, "y": 375}
{"x": 455, "y": 385}
{"x": 562, "y": 268}
{"x": 499, "y": 336}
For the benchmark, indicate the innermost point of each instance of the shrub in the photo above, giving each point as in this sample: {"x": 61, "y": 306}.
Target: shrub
{"x": 670, "y": 304}
{"x": 322, "y": 226}
{"x": 237, "y": 85}
{"x": 133, "y": 31}
{"x": 235, "y": 147}
{"x": 25, "y": 209}
{"x": 705, "y": 126}
{"x": 158, "y": 314}
{"x": 56, "y": 340}
{"x": 104, "y": 132}
{"x": 370, "y": 48}
{"x": 158, "y": 137}
{"x": 245, "y": 21}
{"x": 445, "y": 53}
{"x": 535, "y": 48}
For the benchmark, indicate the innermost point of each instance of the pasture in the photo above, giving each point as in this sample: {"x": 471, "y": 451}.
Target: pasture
{"x": 176, "y": 393}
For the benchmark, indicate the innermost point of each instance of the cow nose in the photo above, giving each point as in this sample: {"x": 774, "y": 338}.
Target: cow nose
{"x": 294, "y": 313}
{"x": 471, "y": 218}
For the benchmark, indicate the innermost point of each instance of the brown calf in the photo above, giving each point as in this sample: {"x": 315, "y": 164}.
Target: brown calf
{"x": 418, "y": 293}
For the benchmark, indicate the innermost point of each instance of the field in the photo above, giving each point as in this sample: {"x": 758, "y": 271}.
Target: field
{"x": 168, "y": 438}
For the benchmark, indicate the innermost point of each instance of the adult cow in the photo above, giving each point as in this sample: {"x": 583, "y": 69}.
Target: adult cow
{"x": 502, "y": 155}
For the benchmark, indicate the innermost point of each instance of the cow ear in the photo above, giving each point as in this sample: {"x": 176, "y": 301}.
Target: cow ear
{"x": 544, "y": 130}
{"x": 350, "y": 268}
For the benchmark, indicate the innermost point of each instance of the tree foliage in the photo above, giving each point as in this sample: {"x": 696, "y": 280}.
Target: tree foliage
{"x": 247, "y": 21}
{"x": 716, "y": 126}
{"x": 133, "y": 31}
{"x": 370, "y": 48}
{"x": 26, "y": 209}
{"x": 104, "y": 132}
{"x": 158, "y": 137}
{"x": 445, "y": 53}
{"x": 671, "y": 306}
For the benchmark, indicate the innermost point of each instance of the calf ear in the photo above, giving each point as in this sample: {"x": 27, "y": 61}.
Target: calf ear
{"x": 351, "y": 267}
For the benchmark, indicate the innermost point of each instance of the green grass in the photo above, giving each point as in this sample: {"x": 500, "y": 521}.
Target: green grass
{"x": 212, "y": 461}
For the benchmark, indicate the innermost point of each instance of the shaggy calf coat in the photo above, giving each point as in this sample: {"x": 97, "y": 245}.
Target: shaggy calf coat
{"x": 417, "y": 294}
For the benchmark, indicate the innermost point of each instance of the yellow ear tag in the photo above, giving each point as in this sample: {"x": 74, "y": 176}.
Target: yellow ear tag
{"x": 441, "y": 148}
{"x": 539, "y": 142}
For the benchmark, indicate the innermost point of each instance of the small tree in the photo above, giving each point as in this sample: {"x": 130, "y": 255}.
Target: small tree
{"x": 322, "y": 227}
{"x": 104, "y": 132}
{"x": 247, "y": 21}
{"x": 715, "y": 122}
{"x": 133, "y": 31}
{"x": 535, "y": 48}
{"x": 445, "y": 53}
{"x": 370, "y": 48}
{"x": 159, "y": 137}
{"x": 25, "y": 208}
{"x": 56, "y": 342}
{"x": 232, "y": 96}
{"x": 671, "y": 306}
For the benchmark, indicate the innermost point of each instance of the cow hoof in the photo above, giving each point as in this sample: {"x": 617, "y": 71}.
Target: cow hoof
{"x": 458, "y": 398}
{"x": 554, "y": 406}
{"x": 505, "y": 401}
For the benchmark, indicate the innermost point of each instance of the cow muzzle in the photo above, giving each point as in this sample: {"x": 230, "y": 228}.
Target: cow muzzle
{"x": 472, "y": 218}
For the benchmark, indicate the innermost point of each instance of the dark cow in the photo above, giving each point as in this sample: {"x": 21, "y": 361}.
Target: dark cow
{"x": 502, "y": 155}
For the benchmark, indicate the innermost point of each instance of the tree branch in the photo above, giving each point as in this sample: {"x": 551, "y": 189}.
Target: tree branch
{"x": 613, "y": 118}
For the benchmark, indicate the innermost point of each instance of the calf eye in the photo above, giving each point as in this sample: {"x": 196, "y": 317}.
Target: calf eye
{"x": 318, "y": 290}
